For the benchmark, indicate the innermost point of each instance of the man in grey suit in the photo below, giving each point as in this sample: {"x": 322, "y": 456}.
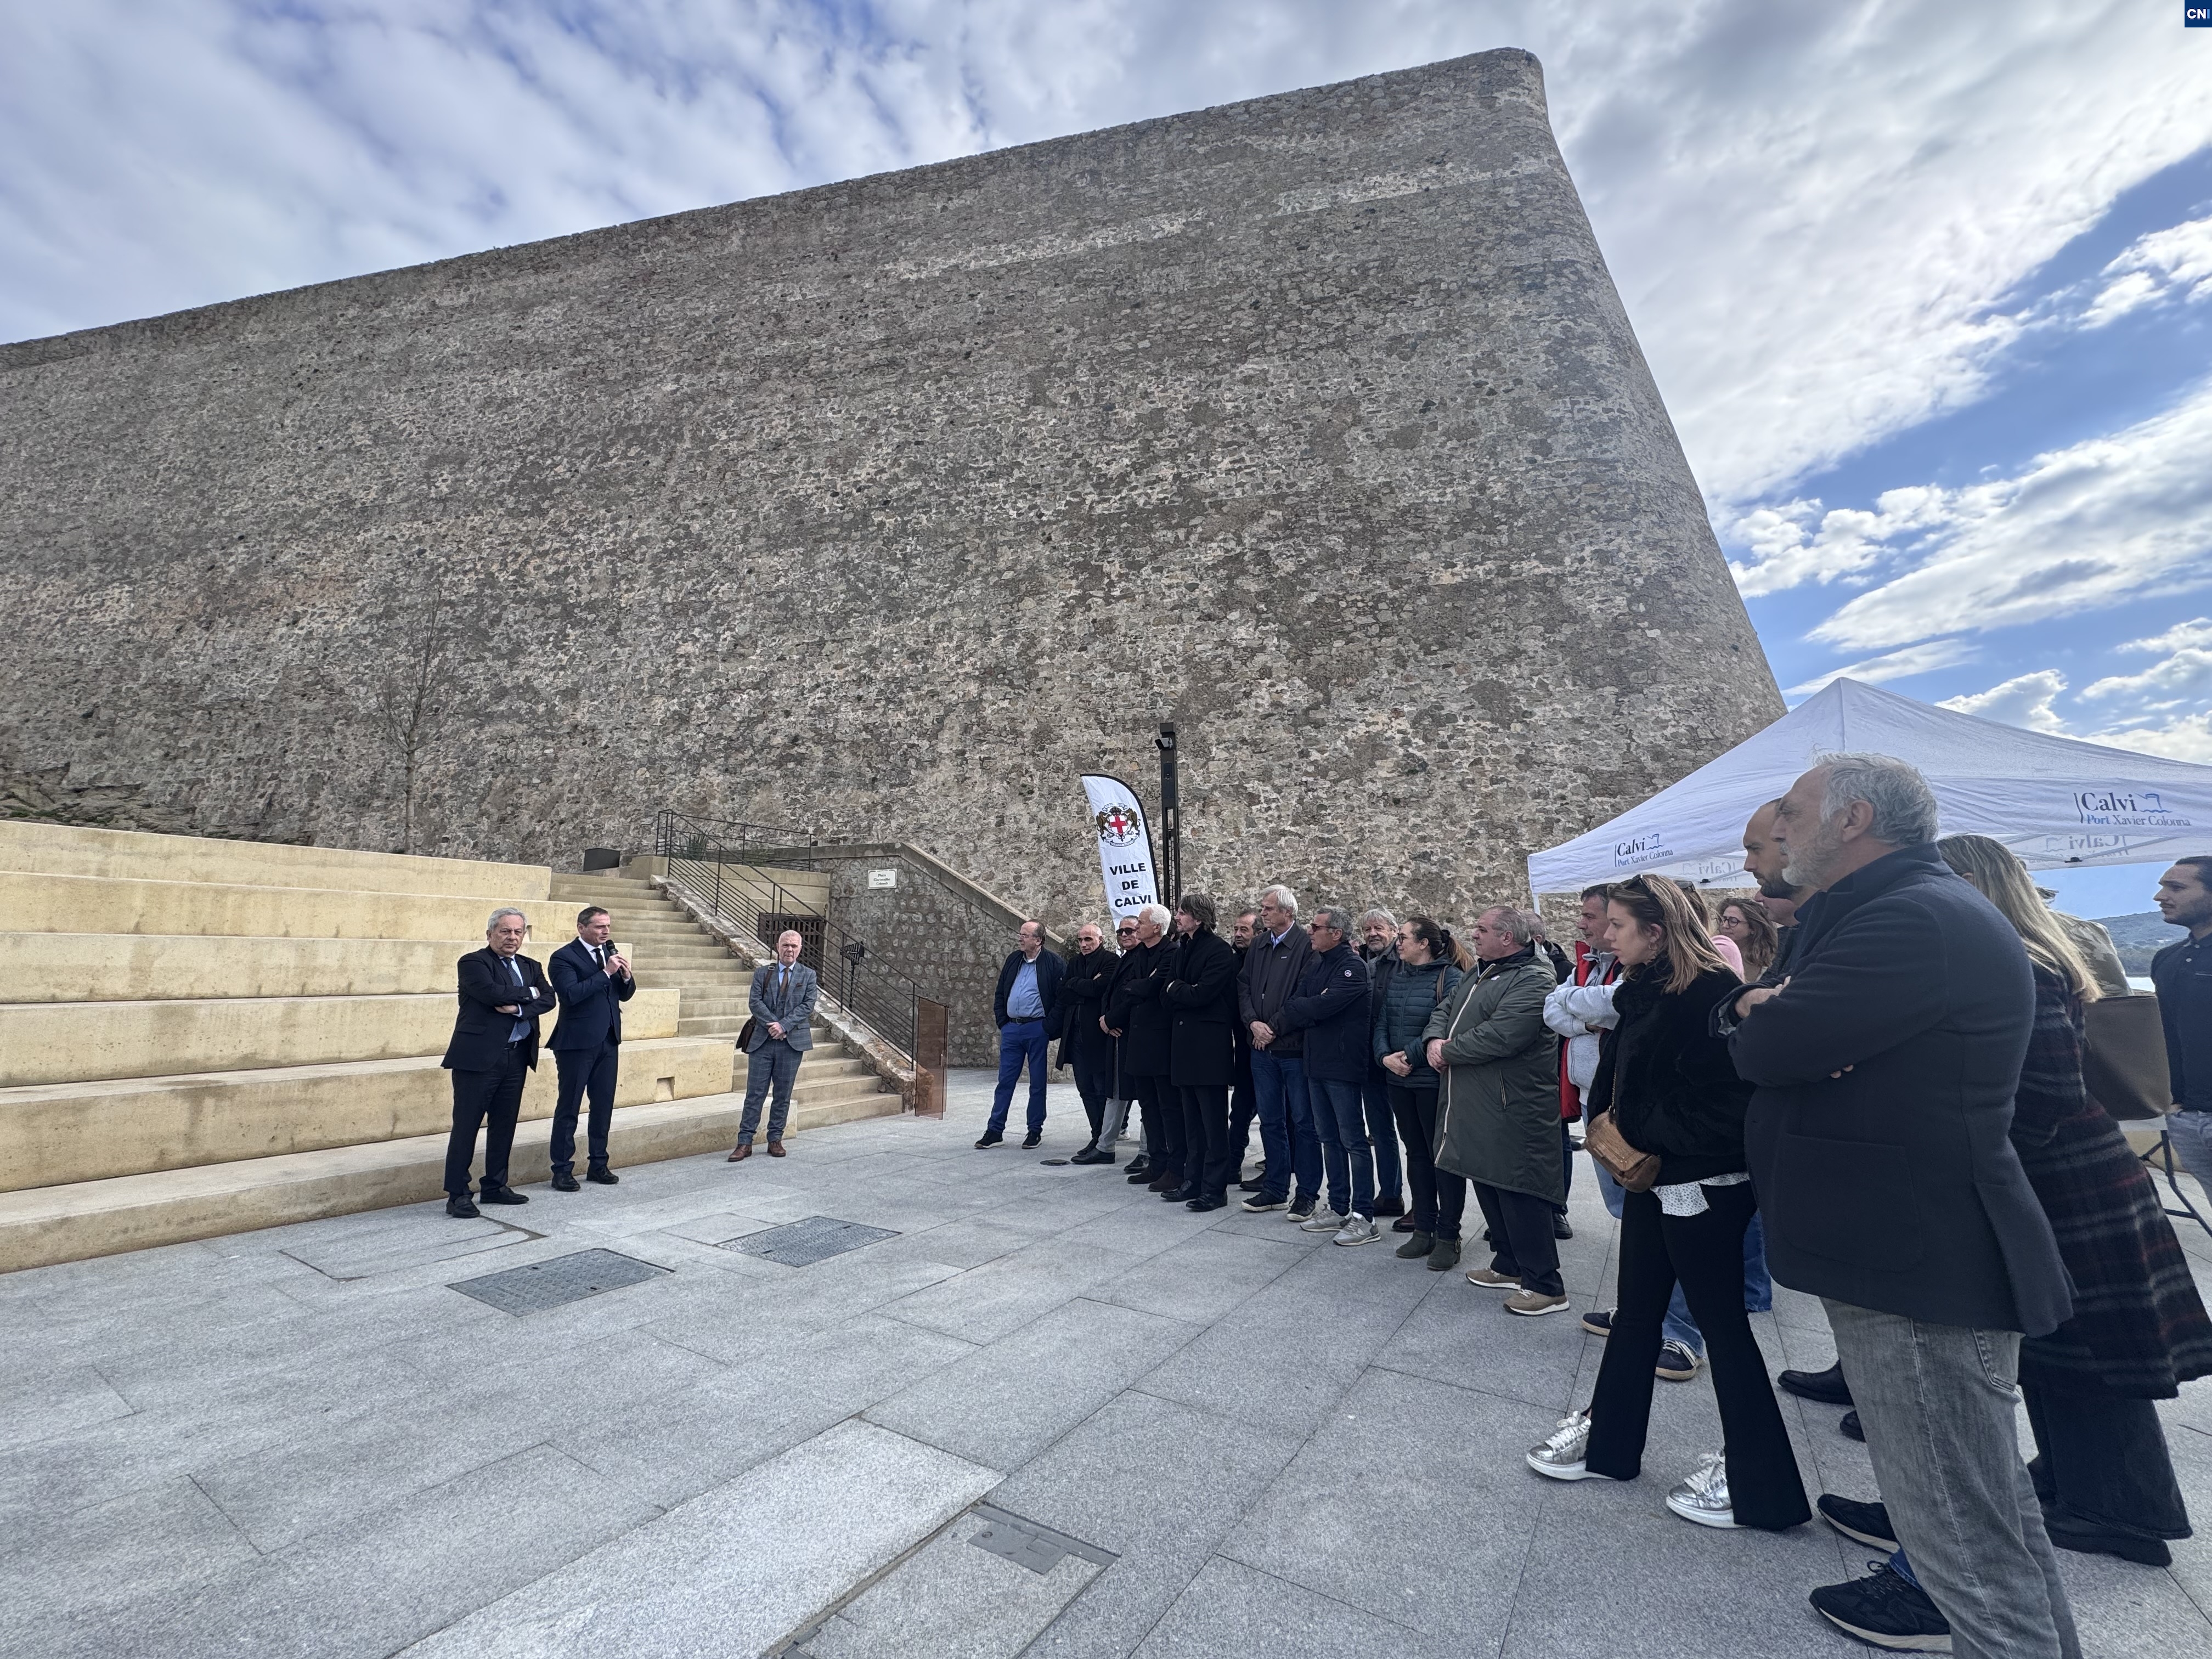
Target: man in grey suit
{"x": 782, "y": 1006}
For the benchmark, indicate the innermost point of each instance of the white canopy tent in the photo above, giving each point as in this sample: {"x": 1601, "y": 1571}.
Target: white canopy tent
{"x": 2055, "y": 801}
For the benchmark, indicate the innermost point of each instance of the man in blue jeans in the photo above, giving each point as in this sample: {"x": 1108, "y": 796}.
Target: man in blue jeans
{"x": 1288, "y": 1140}
{"x": 1330, "y": 1012}
{"x": 1027, "y": 998}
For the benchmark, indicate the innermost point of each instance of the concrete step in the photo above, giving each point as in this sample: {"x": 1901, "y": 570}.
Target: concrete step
{"x": 73, "y": 1132}
{"x": 38, "y": 903}
{"x": 162, "y": 967}
{"x": 66, "y": 850}
{"x": 47, "y": 1224}
{"x": 45, "y": 1042}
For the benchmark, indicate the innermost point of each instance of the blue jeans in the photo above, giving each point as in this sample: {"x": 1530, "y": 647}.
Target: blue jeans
{"x": 1287, "y": 1139}
{"x": 1383, "y": 1130}
{"x": 1757, "y": 1283}
{"x": 1020, "y": 1041}
{"x": 1340, "y": 1115}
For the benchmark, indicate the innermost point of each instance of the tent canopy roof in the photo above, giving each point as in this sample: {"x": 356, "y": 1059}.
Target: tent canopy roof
{"x": 2055, "y": 801}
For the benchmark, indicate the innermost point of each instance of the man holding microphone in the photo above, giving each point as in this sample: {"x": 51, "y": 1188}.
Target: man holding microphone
{"x": 592, "y": 980}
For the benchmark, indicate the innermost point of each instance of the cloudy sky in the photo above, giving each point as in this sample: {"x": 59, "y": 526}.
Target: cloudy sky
{"x": 1927, "y": 284}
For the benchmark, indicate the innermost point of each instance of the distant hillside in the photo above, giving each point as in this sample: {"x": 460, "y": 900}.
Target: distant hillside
{"x": 2140, "y": 937}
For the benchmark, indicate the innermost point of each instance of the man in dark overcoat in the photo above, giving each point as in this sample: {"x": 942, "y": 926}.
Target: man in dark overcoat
{"x": 1200, "y": 999}
{"x": 1878, "y": 1140}
{"x": 1084, "y": 1043}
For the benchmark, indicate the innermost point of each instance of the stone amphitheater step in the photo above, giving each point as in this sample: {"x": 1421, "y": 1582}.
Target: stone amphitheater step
{"x": 36, "y": 902}
{"x": 47, "y": 1224}
{"x": 45, "y": 1042}
{"x": 73, "y": 1132}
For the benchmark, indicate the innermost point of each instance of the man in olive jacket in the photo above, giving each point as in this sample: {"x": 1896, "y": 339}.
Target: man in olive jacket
{"x": 1498, "y": 1108}
{"x": 1885, "y": 1067}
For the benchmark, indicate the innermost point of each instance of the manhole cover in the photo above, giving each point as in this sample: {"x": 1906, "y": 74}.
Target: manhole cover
{"x": 564, "y": 1279}
{"x": 800, "y": 1244}
{"x": 1026, "y": 1544}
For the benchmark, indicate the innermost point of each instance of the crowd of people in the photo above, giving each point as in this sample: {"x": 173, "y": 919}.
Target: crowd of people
{"x": 1865, "y": 1083}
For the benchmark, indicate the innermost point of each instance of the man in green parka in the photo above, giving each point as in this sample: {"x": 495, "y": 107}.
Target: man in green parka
{"x": 1498, "y": 1110}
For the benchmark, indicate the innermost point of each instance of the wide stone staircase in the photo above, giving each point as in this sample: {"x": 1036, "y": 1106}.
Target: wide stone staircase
{"x": 201, "y": 1037}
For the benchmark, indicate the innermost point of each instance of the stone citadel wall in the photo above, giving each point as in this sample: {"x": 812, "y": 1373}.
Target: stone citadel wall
{"x": 887, "y": 507}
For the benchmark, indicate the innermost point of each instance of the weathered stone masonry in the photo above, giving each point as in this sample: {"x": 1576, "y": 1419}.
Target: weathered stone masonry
{"x": 1314, "y": 422}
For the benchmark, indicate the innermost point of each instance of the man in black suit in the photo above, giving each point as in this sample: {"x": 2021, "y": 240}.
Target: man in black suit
{"x": 492, "y": 1053}
{"x": 592, "y": 980}
{"x": 1878, "y": 1141}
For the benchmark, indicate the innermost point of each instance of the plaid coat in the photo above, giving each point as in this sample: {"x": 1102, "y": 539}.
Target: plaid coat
{"x": 2139, "y": 1328}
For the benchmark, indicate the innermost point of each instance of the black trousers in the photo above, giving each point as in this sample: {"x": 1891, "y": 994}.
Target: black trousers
{"x": 493, "y": 1097}
{"x": 1440, "y": 1196}
{"x": 1244, "y": 1107}
{"x": 2102, "y": 1464}
{"x": 584, "y": 1073}
{"x": 1205, "y": 1138}
{"x": 1706, "y": 1254}
{"x": 1521, "y": 1239}
{"x": 1162, "y": 1108}
{"x": 1093, "y": 1081}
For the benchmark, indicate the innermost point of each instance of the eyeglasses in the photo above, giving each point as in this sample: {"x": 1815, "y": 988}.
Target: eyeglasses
{"x": 1125, "y": 930}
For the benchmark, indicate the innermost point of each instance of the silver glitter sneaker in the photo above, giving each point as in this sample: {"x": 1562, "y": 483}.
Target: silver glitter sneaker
{"x": 1704, "y": 1497}
{"x": 1561, "y": 1456}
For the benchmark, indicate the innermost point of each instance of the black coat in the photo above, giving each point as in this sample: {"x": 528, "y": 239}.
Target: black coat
{"x": 1201, "y": 998}
{"x": 1082, "y": 1000}
{"x": 1668, "y": 1079}
{"x": 1269, "y": 979}
{"x": 480, "y": 1031}
{"x": 1133, "y": 1007}
{"x": 1329, "y": 1014}
{"x": 1049, "y": 971}
{"x": 1894, "y": 1186}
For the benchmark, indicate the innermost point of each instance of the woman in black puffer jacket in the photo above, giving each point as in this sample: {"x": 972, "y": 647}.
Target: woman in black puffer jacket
{"x": 1428, "y": 968}
{"x": 1668, "y": 1086}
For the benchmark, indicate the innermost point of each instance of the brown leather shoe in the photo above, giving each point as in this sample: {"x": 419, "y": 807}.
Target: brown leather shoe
{"x": 743, "y": 1151}
{"x": 775, "y": 1149}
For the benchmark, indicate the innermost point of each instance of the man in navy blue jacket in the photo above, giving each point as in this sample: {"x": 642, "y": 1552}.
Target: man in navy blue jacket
{"x": 1330, "y": 1008}
{"x": 592, "y": 980}
{"x": 1025, "y": 1004}
{"x": 493, "y": 1052}
{"x": 1878, "y": 1142}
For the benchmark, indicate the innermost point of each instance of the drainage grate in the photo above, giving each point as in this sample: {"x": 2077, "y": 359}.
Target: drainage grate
{"x": 564, "y": 1279}
{"x": 801, "y": 1244}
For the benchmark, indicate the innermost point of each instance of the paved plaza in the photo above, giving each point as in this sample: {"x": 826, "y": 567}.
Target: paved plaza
{"x": 1021, "y": 1410}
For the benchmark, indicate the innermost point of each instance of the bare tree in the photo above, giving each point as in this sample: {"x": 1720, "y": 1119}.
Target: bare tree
{"x": 410, "y": 710}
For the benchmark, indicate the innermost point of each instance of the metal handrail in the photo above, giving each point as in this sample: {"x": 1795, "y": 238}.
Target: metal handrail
{"x": 699, "y": 861}
{"x": 672, "y": 828}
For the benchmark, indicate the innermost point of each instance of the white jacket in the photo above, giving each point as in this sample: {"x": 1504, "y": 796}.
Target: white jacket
{"x": 1578, "y": 1013}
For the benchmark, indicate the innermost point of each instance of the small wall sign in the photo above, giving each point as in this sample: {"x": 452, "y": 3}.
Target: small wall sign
{"x": 882, "y": 877}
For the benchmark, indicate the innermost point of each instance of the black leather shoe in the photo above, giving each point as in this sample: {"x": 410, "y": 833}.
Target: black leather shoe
{"x": 1210, "y": 1201}
{"x": 1559, "y": 1227}
{"x": 1849, "y": 1428}
{"x": 1827, "y": 1387}
{"x": 601, "y": 1175}
{"x": 1091, "y": 1155}
{"x": 460, "y": 1207}
{"x": 500, "y": 1195}
{"x": 1256, "y": 1184}
{"x": 988, "y": 1140}
{"x": 1140, "y": 1173}
{"x": 1181, "y": 1194}
{"x": 1389, "y": 1207}
{"x": 1031, "y": 1141}
{"x": 565, "y": 1182}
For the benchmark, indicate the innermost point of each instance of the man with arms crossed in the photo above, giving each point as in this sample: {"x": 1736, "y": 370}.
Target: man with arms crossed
{"x": 592, "y": 980}
{"x": 492, "y": 1053}
{"x": 782, "y": 1006}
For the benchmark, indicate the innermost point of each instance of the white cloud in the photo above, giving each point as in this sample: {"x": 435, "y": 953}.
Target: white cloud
{"x": 2024, "y": 701}
{"x": 2174, "y": 264}
{"x": 2189, "y": 737}
{"x": 1894, "y": 665}
{"x": 1788, "y": 550}
{"x": 2115, "y": 518}
{"x": 1814, "y": 212}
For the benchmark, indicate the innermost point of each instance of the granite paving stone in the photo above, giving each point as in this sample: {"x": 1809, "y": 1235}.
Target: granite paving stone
{"x": 1287, "y": 1447}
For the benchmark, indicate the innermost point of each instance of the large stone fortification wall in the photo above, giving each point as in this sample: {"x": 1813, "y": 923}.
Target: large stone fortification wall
{"x": 890, "y": 507}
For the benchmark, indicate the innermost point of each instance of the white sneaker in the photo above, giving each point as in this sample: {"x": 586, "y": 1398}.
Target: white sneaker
{"x": 1323, "y": 1221}
{"x": 1359, "y": 1230}
{"x": 1561, "y": 1456}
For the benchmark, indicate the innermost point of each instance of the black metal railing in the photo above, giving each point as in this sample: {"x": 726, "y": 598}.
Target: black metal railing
{"x": 739, "y": 899}
{"x": 677, "y": 833}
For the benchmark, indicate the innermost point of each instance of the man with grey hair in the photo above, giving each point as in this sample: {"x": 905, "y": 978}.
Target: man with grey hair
{"x": 493, "y": 1051}
{"x": 1329, "y": 1011}
{"x": 1886, "y": 1066}
{"x": 1379, "y": 949}
{"x": 782, "y": 1001}
{"x": 1289, "y": 1141}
